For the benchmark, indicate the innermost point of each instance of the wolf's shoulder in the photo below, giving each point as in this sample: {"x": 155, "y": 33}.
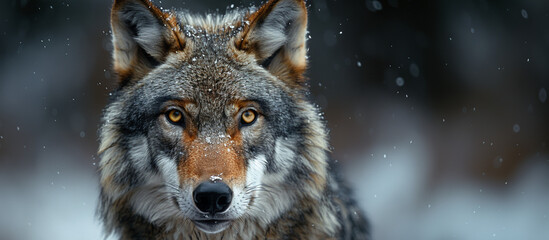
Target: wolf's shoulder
{"x": 353, "y": 221}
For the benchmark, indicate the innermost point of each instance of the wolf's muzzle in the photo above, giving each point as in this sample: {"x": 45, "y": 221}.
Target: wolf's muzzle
{"x": 212, "y": 197}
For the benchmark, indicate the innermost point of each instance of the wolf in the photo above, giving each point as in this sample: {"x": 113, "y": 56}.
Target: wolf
{"x": 210, "y": 133}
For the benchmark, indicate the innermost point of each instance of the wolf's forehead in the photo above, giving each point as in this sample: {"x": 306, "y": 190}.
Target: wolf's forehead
{"x": 208, "y": 74}
{"x": 212, "y": 71}
{"x": 212, "y": 30}
{"x": 211, "y": 39}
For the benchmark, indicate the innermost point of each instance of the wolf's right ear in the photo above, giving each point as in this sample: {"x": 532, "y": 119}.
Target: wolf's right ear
{"x": 275, "y": 35}
{"x": 143, "y": 36}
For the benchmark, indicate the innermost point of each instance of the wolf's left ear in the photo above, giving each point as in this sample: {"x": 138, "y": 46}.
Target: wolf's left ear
{"x": 275, "y": 34}
{"x": 143, "y": 36}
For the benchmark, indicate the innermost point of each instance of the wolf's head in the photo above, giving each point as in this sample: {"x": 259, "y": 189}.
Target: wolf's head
{"x": 210, "y": 126}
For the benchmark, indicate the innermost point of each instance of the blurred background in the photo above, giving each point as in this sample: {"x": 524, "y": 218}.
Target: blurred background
{"x": 437, "y": 110}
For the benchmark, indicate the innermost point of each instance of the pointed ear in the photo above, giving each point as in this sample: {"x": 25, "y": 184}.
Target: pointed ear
{"x": 143, "y": 36}
{"x": 275, "y": 34}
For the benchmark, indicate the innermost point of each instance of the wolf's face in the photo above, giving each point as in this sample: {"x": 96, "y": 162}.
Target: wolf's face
{"x": 210, "y": 125}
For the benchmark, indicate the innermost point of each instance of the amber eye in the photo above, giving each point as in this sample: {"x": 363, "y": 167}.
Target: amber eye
{"x": 174, "y": 116}
{"x": 248, "y": 117}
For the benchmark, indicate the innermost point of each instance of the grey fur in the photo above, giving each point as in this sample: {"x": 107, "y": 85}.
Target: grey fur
{"x": 290, "y": 190}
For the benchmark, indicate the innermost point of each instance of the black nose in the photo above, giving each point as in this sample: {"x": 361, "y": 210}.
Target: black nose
{"x": 212, "y": 197}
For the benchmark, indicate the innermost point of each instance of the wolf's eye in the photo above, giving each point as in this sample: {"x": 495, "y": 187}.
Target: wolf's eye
{"x": 248, "y": 117}
{"x": 174, "y": 116}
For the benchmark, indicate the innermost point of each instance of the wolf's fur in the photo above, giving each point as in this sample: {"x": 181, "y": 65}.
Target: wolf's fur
{"x": 212, "y": 67}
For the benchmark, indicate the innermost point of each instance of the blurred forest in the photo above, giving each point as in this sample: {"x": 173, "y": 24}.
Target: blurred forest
{"x": 437, "y": 110}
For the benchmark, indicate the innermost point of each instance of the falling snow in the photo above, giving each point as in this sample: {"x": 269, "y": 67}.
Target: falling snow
{"x": 399, "y": 81}
{"x": 390, "y": 74}
{"x": 516, "y": 128}
{"x": 524, "y": 13}
{"x": 542, "y": 95}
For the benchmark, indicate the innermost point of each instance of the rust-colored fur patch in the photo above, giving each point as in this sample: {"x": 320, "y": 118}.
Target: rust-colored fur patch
{"x": 220, "y": 158}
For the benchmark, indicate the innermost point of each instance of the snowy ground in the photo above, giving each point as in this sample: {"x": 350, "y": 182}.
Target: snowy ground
{"x": 394, "y": 192}
{"x": 54, "y": 200}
